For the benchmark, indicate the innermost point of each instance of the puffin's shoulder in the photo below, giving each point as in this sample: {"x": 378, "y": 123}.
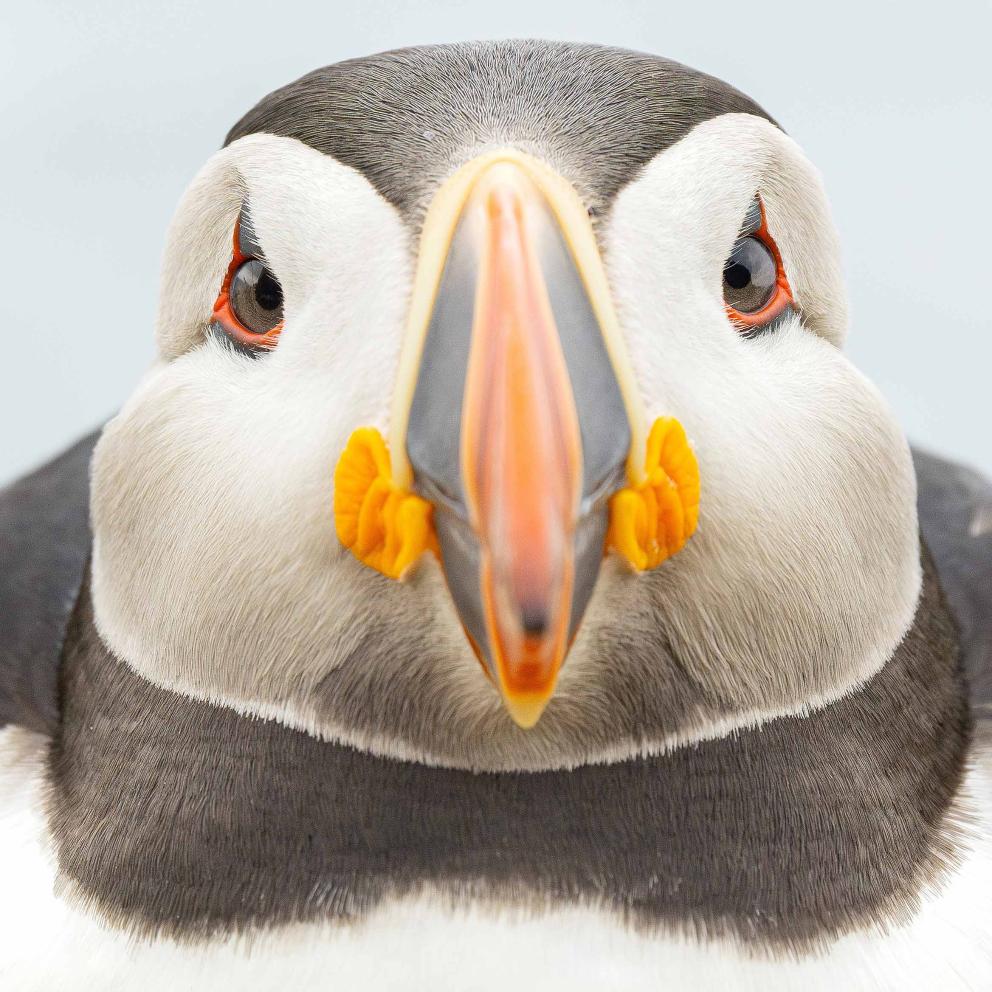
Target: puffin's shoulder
{"x": 955, "y": 506}
{"x": 44, "y": 545}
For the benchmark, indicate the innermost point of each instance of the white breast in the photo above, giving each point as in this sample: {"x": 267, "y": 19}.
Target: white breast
{"x": 48, "y": 942}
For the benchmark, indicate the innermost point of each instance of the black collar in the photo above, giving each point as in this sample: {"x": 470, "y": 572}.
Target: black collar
{"x": 180, "y": 816}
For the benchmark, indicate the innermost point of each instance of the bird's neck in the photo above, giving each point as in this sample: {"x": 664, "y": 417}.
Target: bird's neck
{"x": 800, "y": 829}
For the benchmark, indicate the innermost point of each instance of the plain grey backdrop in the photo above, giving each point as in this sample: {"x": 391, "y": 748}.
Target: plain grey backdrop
{"x": 107, "y": 109}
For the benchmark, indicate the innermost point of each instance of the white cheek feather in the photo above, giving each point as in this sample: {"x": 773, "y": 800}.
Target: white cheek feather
{"x": 50, "y": 941}
{"x": 805, "y": 568}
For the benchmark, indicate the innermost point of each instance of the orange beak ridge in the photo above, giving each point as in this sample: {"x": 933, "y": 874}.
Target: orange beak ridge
{"x": 520, "y": 448}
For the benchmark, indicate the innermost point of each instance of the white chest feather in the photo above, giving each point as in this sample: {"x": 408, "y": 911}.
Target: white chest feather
{"x": 47, "y": 942}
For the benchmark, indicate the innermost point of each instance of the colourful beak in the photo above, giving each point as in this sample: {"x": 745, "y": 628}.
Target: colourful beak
{"x": 518, "y": 429}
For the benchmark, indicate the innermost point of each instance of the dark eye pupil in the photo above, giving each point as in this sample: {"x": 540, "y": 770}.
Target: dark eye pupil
{"x": 256, "y": 297}
{"x": 737, "y": 276}
{"x": 268, "y": 292}
{"x": 749, "y": 276}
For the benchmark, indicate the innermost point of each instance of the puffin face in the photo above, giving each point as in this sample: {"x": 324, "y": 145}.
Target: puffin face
{"x": 512, "y": 337}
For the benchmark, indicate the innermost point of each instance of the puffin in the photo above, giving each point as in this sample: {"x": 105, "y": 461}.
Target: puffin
{"x": 501, "y": 579}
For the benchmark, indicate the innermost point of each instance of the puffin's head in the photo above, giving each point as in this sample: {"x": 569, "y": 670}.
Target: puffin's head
{"x": 563, "y": 294}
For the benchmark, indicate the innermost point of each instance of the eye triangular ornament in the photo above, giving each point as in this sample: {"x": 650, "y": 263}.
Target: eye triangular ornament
{"x": 518, "y": 450}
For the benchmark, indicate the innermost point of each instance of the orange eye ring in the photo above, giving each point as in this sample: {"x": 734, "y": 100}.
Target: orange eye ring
{"x": 781, "y": 297}
{"x": 223, "y": 313}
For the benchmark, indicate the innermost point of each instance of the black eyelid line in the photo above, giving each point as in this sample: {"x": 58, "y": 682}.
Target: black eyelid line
{"x": 215, "y": 331}
{"x": 790, "y": 312}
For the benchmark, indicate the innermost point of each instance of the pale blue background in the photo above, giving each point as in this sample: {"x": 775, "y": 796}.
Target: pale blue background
{"x": 107, "y": 109}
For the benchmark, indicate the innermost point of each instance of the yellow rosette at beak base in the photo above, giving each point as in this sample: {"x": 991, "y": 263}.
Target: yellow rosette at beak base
{"x": 383, "y": 525}
{"x": 388, "y": 527}
{"x": 652, "y": 520}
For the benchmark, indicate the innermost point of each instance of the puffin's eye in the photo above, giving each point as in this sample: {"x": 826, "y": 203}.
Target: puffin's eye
{"x": 249, "y": 307}
{"x": 749, "y": 277}
{"x": 256, "y": 297}
{"x": 755, "y": 289}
